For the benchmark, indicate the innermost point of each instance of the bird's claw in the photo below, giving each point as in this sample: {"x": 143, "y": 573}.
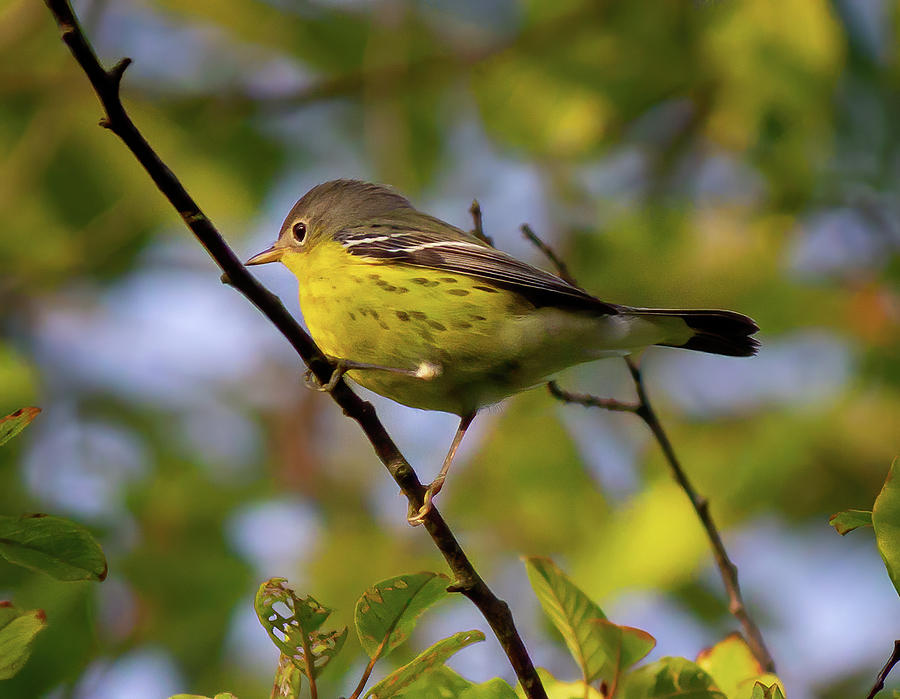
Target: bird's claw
{"x": 433, "y": 489}
{"x": 312, "y": 382}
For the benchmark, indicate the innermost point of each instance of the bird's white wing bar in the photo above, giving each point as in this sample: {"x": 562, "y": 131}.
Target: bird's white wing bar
{"x": 472, "y": 258}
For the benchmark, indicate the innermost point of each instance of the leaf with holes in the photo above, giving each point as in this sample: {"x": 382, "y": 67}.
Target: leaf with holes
{"x": 293, "y": 625}
{"x": 670, "y": 677}
{"x": 426, "y": 661}
{"x": 52, "y": 545}
{"x": 572, "y": 612}
{"x": 17, "y": 632}
{"x": 623, "y": 646}
{"x": 15, "y": 422}
{"x": 387, "y": 612}
{"x": 846, "y": 521}
{"x": 886, "y": 520}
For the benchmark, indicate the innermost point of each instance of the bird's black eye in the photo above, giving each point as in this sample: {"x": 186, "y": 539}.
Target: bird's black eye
{"x": 299, "y": 231}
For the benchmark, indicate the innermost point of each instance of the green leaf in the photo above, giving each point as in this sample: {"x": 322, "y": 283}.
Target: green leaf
{"x": 296, "y": 633}
{"x": 427, "y": 660}
{"x": 623, "y": 646}
{"x": 387, "y": 612}
{"x": 671, "y": 677}
{"x": 572, "y": 612}
{"x": 15, "y": 422}
{"x": 17, "y": 632}
{"x": 492, "y": 689}
{"x": 886, "y": 520}
{"x": 848, "y": 520}
{"x": 730, "y": 662}
{"x": 440, "y": 683}
{"x": 220, "y": 695}
{"x": 766, "y": 691}
{"x": 53, "y": 545}
{"x": 558, "y": 689}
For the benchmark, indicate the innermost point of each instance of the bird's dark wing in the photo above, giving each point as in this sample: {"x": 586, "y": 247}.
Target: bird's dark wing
{"x": 461, "y": 253}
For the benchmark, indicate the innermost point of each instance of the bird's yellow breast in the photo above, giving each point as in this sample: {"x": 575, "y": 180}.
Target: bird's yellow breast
{"x": 487, "y": 342}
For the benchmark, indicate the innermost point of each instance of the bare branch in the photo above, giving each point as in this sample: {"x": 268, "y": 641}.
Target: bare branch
{"x": 478, "y": 229}
{"x": 589, "y": 401}
{"x": 468, "y": 582}
{"x": 644, "y": 409}
{"x": 885, "y": 671}
{"x": 561, "y": 268}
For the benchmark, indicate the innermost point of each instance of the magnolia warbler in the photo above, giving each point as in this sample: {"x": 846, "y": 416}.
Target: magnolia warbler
{"x": 433, "y": 317}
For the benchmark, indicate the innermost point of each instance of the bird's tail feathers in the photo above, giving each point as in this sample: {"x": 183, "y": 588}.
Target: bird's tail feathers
{"x": 714, "y": 331}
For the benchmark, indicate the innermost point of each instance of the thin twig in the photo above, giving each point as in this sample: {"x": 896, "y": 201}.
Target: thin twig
{"x": 468, "y": 582}
{"x": 885, "y": 671}
{"x": 361, "y": 685}
{"x": 644, "y": 409}
{"x": 727, "y": 569}
{"x": 478, "y": 223}
{"x": 589, "y": 401}
{"x": 562, "y": 270}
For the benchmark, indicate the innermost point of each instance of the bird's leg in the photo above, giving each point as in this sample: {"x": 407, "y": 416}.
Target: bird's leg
{"x": 425, "y": 371}
{"x": 417, "y": 518}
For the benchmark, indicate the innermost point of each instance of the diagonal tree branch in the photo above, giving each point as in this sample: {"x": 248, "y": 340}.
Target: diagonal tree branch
{"x": 468, "y": 582}
{"x": 885, "y": 671}
{"x": 644, "y": 409}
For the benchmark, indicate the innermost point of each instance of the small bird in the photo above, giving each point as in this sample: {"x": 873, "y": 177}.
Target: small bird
{"x": 433, "y": 317}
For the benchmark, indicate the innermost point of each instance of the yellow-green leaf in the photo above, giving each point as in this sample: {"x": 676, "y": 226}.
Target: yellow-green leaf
{"x": 17, "y": 632}
{"x": 733, "y": 668}
{"x": 15, "y": 422}
{"x": 572, "y": 612}
{"x": 429, "y": 659}
{"x": 848, "y": 520}
{"x": 886, "y": 520}
{"x": 440, "y": 683}
{"x": 766, "y": 691}
{"x": 559, "y": 689}
{"x": 52, "y": 545}
{"x": 668, "y": 678}
{"x": 623, "y": 646}
{"x": 387, "y": 612}
{"x": 492, "y": 689}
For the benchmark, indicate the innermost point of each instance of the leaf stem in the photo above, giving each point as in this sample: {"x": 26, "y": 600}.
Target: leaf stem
{"x": 368, "y": 671}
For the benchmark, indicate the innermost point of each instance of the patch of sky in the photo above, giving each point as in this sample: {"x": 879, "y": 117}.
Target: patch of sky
{"x": 142, "y": 673}
{"x": 840, "y": 242}
{"x": 809, "y": 583}
{"x": 806, "y": 368}
{"x": 82, "y": 467}
{"x": 276, "y": 536}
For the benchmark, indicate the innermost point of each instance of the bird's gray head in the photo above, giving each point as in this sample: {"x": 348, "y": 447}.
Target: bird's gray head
{"x": 328, "y": 208}
{"x": 334, "y": 205}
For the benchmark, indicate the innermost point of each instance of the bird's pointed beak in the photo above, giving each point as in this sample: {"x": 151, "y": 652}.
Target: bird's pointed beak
{"x": 273, "y": 254}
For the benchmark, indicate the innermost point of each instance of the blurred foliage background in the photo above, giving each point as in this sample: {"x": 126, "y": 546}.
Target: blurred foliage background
{"x": 724, "y": 153}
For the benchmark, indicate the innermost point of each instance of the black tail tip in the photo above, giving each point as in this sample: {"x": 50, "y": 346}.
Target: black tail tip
{"x": 720, "y": 332}
{"x": 730, "y": 346}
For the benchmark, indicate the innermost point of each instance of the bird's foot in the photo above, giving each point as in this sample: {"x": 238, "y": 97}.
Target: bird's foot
{"x": 312, "y": 382}
{"x": 418, "y": 518}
